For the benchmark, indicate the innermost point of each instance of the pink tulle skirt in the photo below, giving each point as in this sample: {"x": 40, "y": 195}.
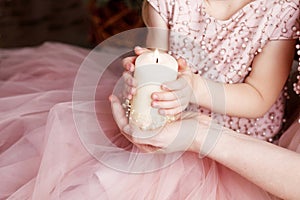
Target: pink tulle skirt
{"x": 45, "y": 155}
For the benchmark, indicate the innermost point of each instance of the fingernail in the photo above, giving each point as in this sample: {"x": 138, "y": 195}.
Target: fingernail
{"x": 127, "y": 66}
{"x": 131, "y": 69}
{"x": 164, "y": 87}
{"x": 154, "y": 104}
{"x": 132, "y": 91}
{"x": 138, "y": 48}
{"x": 155, "y": 97}
{"x": 182, "y": 60}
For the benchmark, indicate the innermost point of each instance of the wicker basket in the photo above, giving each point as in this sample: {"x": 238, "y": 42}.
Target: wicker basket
{"x": 112, "y": 19}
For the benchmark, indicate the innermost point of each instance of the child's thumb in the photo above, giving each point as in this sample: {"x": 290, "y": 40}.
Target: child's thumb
{"x": 182, "y": 65}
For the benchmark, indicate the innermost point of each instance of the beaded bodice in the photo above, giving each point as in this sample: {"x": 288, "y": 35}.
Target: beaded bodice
{"x": 223, "y": 50}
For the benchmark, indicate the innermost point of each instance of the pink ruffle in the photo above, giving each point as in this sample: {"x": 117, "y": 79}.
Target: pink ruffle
{"x": 43, "y": 157}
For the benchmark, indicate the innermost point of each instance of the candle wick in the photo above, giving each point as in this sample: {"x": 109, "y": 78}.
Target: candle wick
{"x": 156, "y": 60}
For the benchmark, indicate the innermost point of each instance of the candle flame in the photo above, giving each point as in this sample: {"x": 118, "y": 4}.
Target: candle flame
{"x": 156, "y": 55}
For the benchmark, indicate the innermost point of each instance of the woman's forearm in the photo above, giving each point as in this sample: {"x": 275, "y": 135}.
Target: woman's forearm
{"x": 274, "y": 169}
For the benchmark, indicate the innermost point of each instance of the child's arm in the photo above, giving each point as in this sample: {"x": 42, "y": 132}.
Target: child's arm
{"x": 261, "y": 88}
{"x": 250, "y": 99}
{"x": 152, "y": 18}
{"x": 158, "y": 30}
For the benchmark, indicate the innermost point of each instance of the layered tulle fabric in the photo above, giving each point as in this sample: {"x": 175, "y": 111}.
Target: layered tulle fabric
{"x": 44, "y": 154}
{"x": 291, "y": 137}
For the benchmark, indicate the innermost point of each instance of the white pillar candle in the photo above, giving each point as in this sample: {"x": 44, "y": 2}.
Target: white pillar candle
{"x": 151, "y": 70}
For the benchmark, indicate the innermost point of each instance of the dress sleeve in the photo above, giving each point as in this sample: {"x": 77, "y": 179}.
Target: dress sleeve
{"x": 164, "y": 8}
{"x": 286, "y": 21}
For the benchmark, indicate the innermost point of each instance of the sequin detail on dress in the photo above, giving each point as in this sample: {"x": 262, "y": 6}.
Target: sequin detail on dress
{"x": 223, "y": 50}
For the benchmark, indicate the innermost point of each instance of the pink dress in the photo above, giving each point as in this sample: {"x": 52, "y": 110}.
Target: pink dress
{"x": 44, "y": 156}
{"x": 223, "y": 50}
{"x": 44, "y": 109}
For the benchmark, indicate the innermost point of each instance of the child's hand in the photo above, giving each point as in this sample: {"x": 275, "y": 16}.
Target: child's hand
{"x": 177, "y": 94}
{"x": 130, "y": 85}
{"x": 130, "y": 82}
{"x": 128, "y": 62}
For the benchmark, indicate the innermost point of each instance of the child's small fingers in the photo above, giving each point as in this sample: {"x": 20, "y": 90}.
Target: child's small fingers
{"x": 133, "y": 82}
{"x": 129, "y": 59}
{"x": 133, "y": 91}
{"x": 139, "y": 50}
{"x": 175, "y": 85}
{"x": 164, "y": 96}
{"x": 169, "y": 96}
{"x": 166, "y": 104}
{"x": 129, "y": 96}
{"x": 129, "y": 79}
{"x": 128, "y": 63}
{"x": 182, "y": 64}
{"x": 171, "y": 112}
{"x": 183, "y": 94}
{"x": 128, "y": 93}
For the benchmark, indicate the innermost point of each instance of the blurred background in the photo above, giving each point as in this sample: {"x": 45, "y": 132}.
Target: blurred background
{"x": 84, "y": 23}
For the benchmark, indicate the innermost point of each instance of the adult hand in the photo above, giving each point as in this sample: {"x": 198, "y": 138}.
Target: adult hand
{"x": 120, "y": 117}
{"x": 177, "y": 94}
{"x": 178, "y": 136}
{"x": 173, "y": 137}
